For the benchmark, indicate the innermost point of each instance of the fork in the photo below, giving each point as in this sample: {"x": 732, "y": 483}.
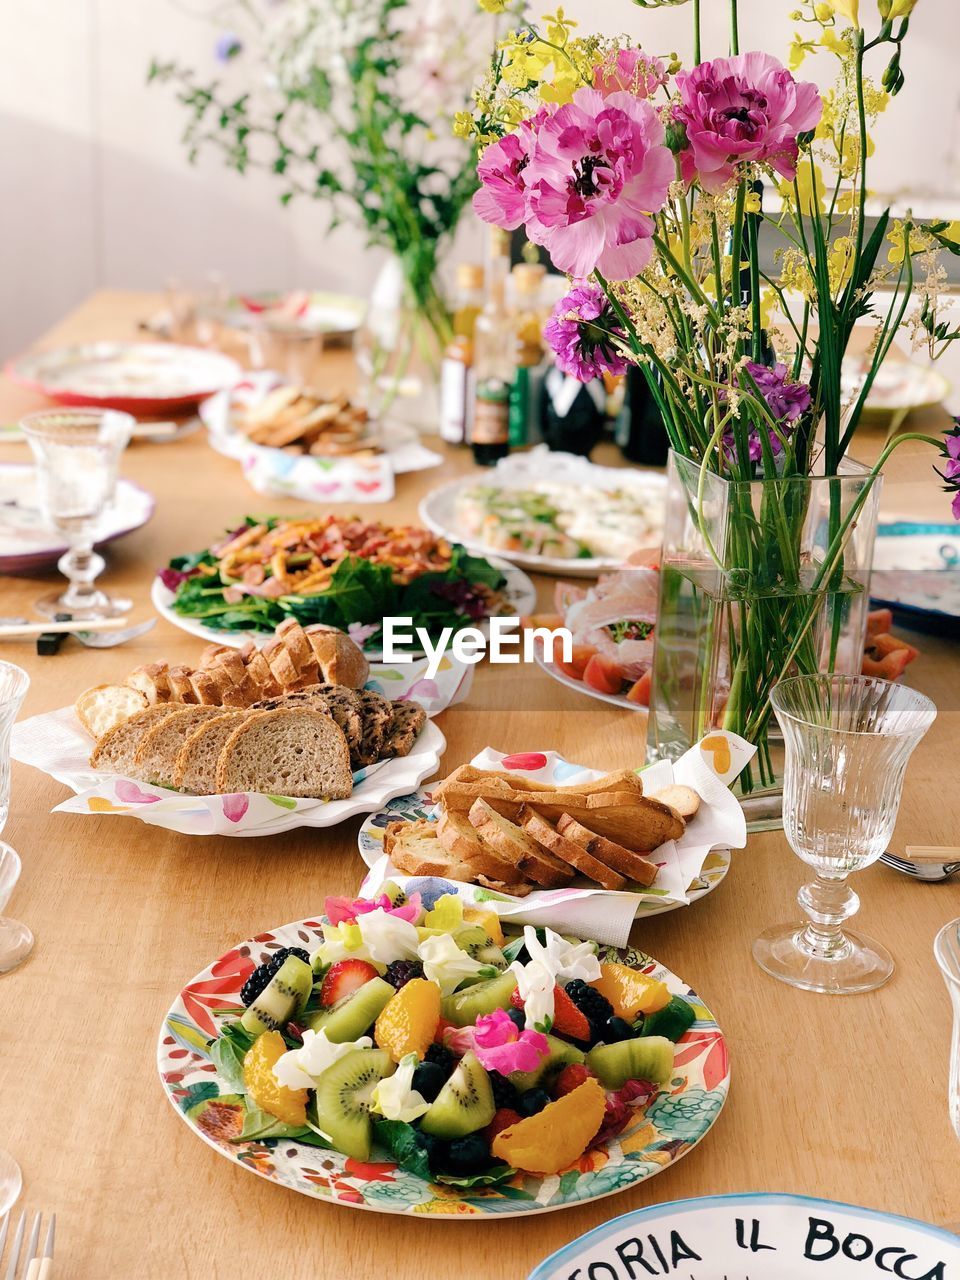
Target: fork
{"x": 36, "y": 1266}
{"x": 932, "y": 872}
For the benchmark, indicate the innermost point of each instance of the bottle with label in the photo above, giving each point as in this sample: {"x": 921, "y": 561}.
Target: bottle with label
{"x": 457, "y": 390}
{"x": 527, "y": 320}
{"x": 493, "y": 361}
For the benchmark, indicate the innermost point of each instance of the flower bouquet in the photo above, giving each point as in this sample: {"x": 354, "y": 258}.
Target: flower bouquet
{"x": 649, "y": 185}
{"x": 349, "y": 102}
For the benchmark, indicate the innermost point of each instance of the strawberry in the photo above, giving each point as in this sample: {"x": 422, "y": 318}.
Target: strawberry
{"x": 343, "y": 978}
{"x": 567, "y": 1018}
{"x": 502, "y": 1119}
{"x": 570, "y": 1078}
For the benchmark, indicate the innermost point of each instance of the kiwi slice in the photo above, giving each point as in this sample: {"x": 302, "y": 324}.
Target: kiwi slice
{"x": 477, "y": 943}
{"x": 394, "y": 893}
{"x": 464, "y": 1104}
{"x": 648, "y": 1058}
{"x": 349, "y": 1018}
{"x": 559, "y": 1056}
{"x": 343, "y": 1099}
{"x": 672, "y": 1021}
{"x": 282, "y": 998}
{"x": 463, "y": 1008}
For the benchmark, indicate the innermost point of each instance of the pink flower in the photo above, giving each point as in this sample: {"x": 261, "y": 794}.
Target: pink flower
{"x": 598, "y": 169}
{"x": 746, "y": 108}
{"x": 502, "y": 196}
{"x": 499, "y": 1043}
{"x": 631, "y": 70}
{"x": 339, "y": 910}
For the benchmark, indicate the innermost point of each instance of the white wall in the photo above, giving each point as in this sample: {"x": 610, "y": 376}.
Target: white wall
{"x": 95, "y": 189}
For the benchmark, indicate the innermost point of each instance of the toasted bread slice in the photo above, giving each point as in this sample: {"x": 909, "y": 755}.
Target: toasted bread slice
{"x": 414, "y": 848}
{"x": 156, "y": 757}
{"x": 467, "y": 775}
{"x": 683, "y": 800}
{"x": 115, "y": 751}
{"x": 341, "y": 660}
{"x": 294, "y": 751}
{"x": 518, "y": 890}
{"x": 103, "y": 707}
{"x": 195, "y": 770}
{"x": 580, "y": 859}
{"x": 514, "y": 845}
{"x": 632, "y": 865}
{"x": 464, "y": 842}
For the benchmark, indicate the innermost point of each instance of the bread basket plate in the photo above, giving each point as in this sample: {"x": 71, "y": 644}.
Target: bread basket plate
{"x": 519, "y": 593}
{"x": 679, "y": 1117}
{"x": 419, "y": 804}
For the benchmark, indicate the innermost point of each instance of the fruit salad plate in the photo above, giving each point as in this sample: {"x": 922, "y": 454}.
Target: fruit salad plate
{"x": 419, "y": 1119}
{"x": 140, "y": 377}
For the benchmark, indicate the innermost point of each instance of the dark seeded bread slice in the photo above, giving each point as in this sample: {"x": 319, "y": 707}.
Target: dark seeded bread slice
{"x": 115, "y": 751}
{"x": 196, "y": 769}
{"x": 568, "y": 851}
{"x": 377, "y": 713}
{"x": 512, "y": 843}
{"x": 293, "y": 751}
{"x": 633, "y": 865}
{"x": 403, "y": 730}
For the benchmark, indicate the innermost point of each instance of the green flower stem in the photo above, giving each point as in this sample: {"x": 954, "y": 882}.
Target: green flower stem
{"x": 734, "y": 28}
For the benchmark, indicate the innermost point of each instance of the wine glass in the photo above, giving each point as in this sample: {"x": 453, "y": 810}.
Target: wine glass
{"x": 946, "y": 948}
{"x": 77, "y": 453}
{"x": 848, "y": 740}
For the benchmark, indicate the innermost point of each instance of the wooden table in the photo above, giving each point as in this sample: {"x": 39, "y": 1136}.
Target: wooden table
{"x": 843, "y": 1099}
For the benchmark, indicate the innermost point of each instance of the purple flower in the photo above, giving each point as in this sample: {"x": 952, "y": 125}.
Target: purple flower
{"x": 464, "y": 597}
{"x": 228, "y": 46}
{"x": 787, "y": 401}
{"x": 171, "y": 578}
{"x": 951, "y": 470}
{"x": 581, "y": 332}
{"x": 741, "y": 109}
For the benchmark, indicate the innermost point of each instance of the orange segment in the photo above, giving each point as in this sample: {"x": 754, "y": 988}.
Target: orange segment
{"x": 630, "y": 992}
{"x": 409, "y": 1019}
{"x": 263, "y": 1087}
{"x": 488, "y": 920}
{"x": 553, "y": 1138}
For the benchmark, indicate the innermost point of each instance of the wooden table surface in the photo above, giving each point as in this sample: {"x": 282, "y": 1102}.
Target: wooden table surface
{"x": 838, "y": 1098}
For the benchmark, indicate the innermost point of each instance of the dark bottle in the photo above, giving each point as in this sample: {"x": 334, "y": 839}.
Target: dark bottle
{"x": 491, "y": 423}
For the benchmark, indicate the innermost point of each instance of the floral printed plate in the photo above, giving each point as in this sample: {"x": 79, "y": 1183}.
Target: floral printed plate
{"x": 674, "y": 1123}
{"x": 419, "y": 805}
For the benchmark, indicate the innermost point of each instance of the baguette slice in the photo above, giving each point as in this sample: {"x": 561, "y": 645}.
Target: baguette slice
{"x": 152, "y": 681}
{"x": 195, "y": 770}
{"x": 683, "y": 800}
{"x": 341, "y": 660}
{"x": 580, "y": 859}
{"x": 623, "y": 781}
{"x": 513, "y": 844}
{"x": 302, "y": 657}
{"x": 181, "y": 689}
{"x": 259, "y": 672}
{"x": 103, "y": 707}
{"x": 156, "y": 757}
{"x": 464, "y": 842}
{"x": 632, "y": 865}
{"x": 413, "y": 847}
{"x": 293, "y": 751}
{"x": 115, "y": 751}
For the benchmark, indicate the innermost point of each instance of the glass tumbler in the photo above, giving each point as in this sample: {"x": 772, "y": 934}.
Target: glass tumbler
{"x": 77, "y": 452}
{"x": 946, "y": 948}
{"x": 848, "y": 740}
{"x": 14, "y": 683}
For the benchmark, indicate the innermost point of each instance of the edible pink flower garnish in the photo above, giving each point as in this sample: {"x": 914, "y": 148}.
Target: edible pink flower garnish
{"x": 499, "y": 1043}
{"x": 340, "y": 910}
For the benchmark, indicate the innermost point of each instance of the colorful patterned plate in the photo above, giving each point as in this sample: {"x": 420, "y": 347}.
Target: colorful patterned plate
{"x": 418, "y": 805}
{"x": 675, "y": 1122}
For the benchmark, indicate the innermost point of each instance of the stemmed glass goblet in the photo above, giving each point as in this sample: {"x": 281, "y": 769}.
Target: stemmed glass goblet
{"x": 848, "y": 740}
{"x": 77, "y": 452}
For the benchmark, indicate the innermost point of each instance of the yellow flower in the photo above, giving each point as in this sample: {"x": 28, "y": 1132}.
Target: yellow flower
{"x": 833, "y": 44}
{"x": 799, "y": 48}
{"x": 848, "y": 9}
{"x": 811, "y": 187}
{"x": 951, "y": 232}
{"x": 840, "y": 262}
{"x": 897, "y": 238}
{"x": 890, "y": 10}
{"x": 559, "y": 27}
{"x": 463, "y": 124}
{"x": 493, "y": 6}
{"x": 823, "y": 12}
{"x": 751, "y": 203}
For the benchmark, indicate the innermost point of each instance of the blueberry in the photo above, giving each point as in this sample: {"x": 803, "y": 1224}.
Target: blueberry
{"x": 615, "y": 1029}
{"x": 466, "y": 1156}
{"x": 428, "y": 1079}
{"x": 532, "y": 1101}
{"x": 517, "y": 1017}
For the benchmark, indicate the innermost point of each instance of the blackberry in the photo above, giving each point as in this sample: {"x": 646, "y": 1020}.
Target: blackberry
{"x": 442, "y": 1056}
{"x": 504, "y": 1092}
{"x": 400, "y": 972}
{"x": 596, "y": 1008}
{"x": 260, "y": 978}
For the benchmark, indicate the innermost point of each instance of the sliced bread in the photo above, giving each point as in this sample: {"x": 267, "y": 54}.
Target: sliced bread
{"x": 156, "y": 757}
{"x": 403, "y": 730}
{"x": 683, "y": 800}
{"x": 341, "y": 659}
{"x": 195, "y": 770}
{"x": 342, "y": 704}
{"x": 464, "y": 842}
{"x": 115, "y": 751}
{"x": 518, "y": 890}
{"x": 633, "y": 865}
{"x": 413, "y": 848}
{"x": 514, "y": 845}
{"x": 103, "y": 707}
{"x": 293, "y": 751}
{"x": 377, "y": 713}
{"x": 575, "y": 855}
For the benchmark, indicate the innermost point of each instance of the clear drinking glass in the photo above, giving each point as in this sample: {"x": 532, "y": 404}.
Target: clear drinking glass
{"x": 946, "y": 948}
{"x": 848, "y": 740}
{"x": 14, "y": 683}
{"x": 78, "y": 453}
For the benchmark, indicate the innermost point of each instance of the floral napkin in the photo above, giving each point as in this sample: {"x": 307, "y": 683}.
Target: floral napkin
{"x": 57, "y": 744}
{"x": 603, "y": 914}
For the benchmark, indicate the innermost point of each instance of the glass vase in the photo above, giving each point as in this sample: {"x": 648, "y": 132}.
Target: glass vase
{"x": 760, "y": 580}
{"x": 399, "y": 348}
